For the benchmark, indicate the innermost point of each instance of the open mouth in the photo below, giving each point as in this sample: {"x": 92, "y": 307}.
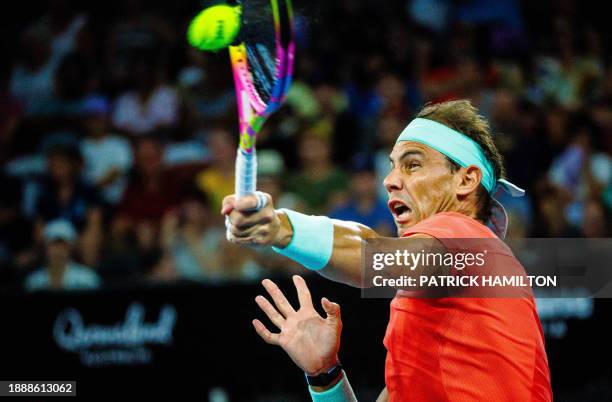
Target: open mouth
{"x": 401, "y": 212}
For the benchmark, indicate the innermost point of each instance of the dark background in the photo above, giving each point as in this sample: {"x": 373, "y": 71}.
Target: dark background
{"x": 214, "y": 346}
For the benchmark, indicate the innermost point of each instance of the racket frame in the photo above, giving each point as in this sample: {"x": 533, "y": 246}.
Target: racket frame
{"x": 252, "y": 110}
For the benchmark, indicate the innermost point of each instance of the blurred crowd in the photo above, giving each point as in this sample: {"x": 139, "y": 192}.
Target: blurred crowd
{"x": 117, "y": 140}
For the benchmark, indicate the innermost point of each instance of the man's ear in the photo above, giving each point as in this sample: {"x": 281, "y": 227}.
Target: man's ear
{"x": 470, "y": 177}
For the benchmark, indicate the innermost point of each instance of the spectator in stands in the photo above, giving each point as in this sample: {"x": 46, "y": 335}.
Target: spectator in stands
{"x": 320, "y": 184}
{"x": 151, "y": 192}
{"x": 391, "y": 93}
{"x": 63, "y": 194}
{"x": 581, "y": 172}
{"x": 151, "y": 106}
{"x": 551, "y": 221}
{"x": 139, "y": 31}
{"x": 60, "y": 272}
{"x": 187, "y": 234}
{"x": 363, "y": 205}
{"x": 207, "y": 99}
{"x": 270, "y": 170}
{"x": 32, "y": 80}
{"x": 596, "y": 220}
{"x": 195, "y": 238}
{"x": 107, "y": 157}
{"x": 217, "y": 180}
{"x": 386, "y": 133}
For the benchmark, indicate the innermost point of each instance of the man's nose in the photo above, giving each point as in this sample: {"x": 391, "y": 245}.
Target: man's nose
{"x": 393, "y": 181}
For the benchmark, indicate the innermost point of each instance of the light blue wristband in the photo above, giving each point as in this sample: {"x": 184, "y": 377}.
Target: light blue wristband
{"x": 312, "y": 242}
{"x": 341, "y": 392}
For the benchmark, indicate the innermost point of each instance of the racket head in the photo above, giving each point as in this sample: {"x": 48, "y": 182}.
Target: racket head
{"x": 262, "y": 63}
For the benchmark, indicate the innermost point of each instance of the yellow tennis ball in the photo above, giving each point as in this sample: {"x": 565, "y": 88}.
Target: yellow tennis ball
{"x": 214, "y": 28}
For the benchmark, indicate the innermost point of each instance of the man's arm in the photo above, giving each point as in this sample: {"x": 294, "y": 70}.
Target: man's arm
{"x": 269, "y": 227}
{"x": 345, "y": 263}
{"x": 330, "y": 247}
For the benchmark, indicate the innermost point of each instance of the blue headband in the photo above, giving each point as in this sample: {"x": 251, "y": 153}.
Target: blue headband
{"x": 465, "y": 152}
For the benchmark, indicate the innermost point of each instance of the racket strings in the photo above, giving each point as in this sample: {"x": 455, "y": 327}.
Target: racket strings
{"x": 262, "y": 67}
{"x": 259, "y": 37}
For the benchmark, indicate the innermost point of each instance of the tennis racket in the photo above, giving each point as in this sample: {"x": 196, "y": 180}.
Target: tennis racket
{"x": 262, "y": 65}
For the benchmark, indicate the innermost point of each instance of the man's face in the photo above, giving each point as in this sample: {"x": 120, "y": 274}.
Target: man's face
{"x": 60, "y": 167}
{"x": 58, "y": 251}
{"x": 314, "y": 150}
{"x": 195, "y": 211}
{"x": 363, "y": 184}
{"x": 419, "y": 184}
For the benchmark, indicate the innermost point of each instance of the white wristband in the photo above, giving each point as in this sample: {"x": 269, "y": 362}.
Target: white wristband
{"x": 312, "y": 242}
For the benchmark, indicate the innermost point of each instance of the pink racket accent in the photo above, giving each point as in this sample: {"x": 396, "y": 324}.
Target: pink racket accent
{"x": 252, "y": 110}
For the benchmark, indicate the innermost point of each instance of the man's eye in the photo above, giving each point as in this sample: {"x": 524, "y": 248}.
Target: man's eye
{"x": 413, "y": 165}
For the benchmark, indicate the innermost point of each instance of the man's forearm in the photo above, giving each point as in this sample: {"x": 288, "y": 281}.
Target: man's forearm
{"x": 344, "y": 264}
{"x": 332, "y": 248}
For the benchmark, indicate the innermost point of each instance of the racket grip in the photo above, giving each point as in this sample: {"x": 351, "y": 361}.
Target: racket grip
{"x": 246, "y": 173}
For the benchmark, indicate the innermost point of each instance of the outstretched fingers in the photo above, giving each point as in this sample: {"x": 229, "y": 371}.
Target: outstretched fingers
{"x": 270, "y": 311}
{"x": 279, "y": 298}
{"x": 267, "y": 336}
{"x": 302, "y": 291}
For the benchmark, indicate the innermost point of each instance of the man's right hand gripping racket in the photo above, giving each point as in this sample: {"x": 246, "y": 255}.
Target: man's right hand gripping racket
{"x": 262, "y": 65}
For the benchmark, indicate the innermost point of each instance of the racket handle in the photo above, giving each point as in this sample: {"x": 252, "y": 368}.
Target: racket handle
{"x": 246, "y": 173}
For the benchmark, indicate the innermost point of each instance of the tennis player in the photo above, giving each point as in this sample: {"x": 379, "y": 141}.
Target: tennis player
{"x": 445, "y": 171}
